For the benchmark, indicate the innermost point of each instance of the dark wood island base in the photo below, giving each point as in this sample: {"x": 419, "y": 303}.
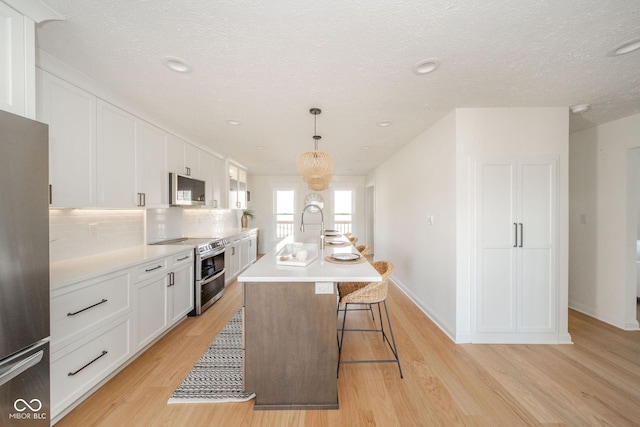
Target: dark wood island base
{"x": 291, "y": 350}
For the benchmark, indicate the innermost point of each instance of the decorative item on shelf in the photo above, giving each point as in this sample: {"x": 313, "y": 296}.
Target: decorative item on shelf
{"x": 246, "y": 214}
{"x": 315, "y": 166}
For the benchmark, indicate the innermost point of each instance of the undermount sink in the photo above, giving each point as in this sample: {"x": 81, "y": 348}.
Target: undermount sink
{"x": 292, "y": 254}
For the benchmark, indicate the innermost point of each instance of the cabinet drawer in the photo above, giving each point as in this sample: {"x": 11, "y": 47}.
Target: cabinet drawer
{"x": 151, "y": 269}
{"x": 84, "y": 305}
{"x": 182, "y": 258}
{"x": 77, "y": 368}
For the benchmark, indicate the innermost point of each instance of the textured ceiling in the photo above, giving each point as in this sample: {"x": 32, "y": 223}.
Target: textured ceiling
{"x": 264, "y": 63}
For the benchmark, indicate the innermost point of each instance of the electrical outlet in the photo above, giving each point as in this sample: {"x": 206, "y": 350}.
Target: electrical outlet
{"x": 324, "y": 288}
{"x": 93, "y": 229}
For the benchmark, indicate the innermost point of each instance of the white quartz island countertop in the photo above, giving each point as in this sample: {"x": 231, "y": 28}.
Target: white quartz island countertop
{"x": 267, "y": 269}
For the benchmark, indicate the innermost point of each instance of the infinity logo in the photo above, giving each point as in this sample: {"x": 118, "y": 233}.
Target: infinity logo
{"x": 21, "y": 405}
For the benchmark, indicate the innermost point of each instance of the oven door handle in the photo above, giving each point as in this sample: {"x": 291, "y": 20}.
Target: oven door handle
{"x": 212, "y": 278}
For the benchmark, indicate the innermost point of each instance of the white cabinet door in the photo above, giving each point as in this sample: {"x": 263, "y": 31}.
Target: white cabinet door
{"x": 496, "y": 285}
{"x": 253, "y": 248}
{"x": 150, "y": 309}
{"x": 537, "y": 294}
{"x": 220, "y": 194}
{"x": 70, "y": 113}
{"x": 15, "y": 57}
{"x": 192, "y": 161}
{"x": 175, "y": 155}
{"x": 232, "y": 261}
{"x": 116, "y": 153}
{"x": 181, "y": 293}
{"x": 516, "y": 231}
{"x": 152, "y": 178}
{"x": 244, "y": 252}
{"x": 207, "y": 172}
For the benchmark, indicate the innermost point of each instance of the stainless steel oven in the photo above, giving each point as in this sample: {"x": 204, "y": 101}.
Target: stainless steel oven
{"x": 209, "y": 277}
{"x": 209, "y": 270}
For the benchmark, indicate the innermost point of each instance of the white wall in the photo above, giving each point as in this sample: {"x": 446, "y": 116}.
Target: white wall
{"x": 262, "y": 202}
{"x": 419, "y": 181}
{"x": 602, "y": 260}
{"x": 433, "y": 175}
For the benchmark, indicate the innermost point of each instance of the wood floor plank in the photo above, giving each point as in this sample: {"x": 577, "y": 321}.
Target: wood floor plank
{"x": 595, "y": 381}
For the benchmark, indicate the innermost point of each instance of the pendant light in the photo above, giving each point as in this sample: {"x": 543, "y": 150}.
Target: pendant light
{"x": 315, "y": 166}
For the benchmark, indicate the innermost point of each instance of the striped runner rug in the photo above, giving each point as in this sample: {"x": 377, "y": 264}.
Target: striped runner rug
{"x": 217, "y": 377}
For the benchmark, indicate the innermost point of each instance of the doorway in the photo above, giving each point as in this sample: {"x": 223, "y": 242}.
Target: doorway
{"x": 633, "y": 232}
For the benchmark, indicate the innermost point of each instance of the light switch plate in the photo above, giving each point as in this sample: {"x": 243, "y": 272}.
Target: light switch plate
{"x": 324, "y": 288}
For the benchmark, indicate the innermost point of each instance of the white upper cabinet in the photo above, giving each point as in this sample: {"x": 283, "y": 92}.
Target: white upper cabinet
{"x": 175, "y": 155}
{"x": 18, "y": 53}
{"x": 192, "y": 161}
{"x": 17, "y": 47}
{"x": 183, "y": 158}
{"x": 71, "y": 115}
{"x": 220, "y": 193}
{"x": 237, "y": 187}
{"x": 152, "y": 181}
{"x": 116, "y": 156}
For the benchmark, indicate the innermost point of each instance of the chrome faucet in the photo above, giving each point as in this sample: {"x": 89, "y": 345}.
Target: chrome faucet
{"x": 321, "y": 221}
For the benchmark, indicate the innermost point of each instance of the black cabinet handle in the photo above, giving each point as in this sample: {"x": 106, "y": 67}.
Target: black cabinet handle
{"x": 521, "y": 234}
{"x": 515, "y": 235}
{"x": 171, "y": 279}
{"x": 183, "y": 258}
{"x": 104, "y": 353}
{"x": 154, "y": 268}
{"x": 87, "y": 308}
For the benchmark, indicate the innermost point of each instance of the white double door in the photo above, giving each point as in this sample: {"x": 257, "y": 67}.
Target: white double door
{"x": 516, "y": 251}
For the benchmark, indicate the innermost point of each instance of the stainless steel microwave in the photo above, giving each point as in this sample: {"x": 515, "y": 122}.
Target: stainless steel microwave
{"x": 184, "y": 190}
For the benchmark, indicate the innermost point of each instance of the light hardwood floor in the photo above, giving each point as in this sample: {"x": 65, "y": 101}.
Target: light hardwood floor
{"x": 595, "y": 381}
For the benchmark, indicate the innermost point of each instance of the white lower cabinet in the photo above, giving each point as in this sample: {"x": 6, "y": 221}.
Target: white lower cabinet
{"x": 150, "y": 298}
{"x": 80, "y": 366}
{"x": 100, "y": 323}
{"x": 163, "y": 295}
{"x": 181, "y": 292}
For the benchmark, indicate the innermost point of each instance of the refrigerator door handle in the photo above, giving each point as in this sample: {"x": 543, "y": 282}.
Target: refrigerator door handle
{"x": 16, "y": 368}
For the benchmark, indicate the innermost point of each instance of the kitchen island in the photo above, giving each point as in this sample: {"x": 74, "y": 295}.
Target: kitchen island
{"x": 291, "y": 351}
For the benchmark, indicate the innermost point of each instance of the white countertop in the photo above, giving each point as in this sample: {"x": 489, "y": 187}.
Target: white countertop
{"x": 63, "y": 273}
{"x": 266, "y": 269}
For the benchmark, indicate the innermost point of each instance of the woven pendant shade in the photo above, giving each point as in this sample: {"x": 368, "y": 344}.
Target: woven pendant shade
{"x": 314, "y": 164}
{"x": 318, "y": 183}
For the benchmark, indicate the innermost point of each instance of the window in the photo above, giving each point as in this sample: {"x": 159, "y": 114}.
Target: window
{"x": 343, "y": 210}
{"x": 284, "y": 212}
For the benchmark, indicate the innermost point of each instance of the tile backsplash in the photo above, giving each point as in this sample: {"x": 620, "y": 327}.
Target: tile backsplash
{"x": 76, "y": 233}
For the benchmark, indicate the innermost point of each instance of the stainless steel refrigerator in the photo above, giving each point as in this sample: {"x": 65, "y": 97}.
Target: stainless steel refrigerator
{"x": 24, "y": 272}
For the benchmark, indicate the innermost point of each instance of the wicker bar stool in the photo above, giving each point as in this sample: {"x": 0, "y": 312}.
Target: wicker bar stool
{"x": 371, "y": 293}
{"x": 353, "y": 240}
{"x": 363, "y": 249}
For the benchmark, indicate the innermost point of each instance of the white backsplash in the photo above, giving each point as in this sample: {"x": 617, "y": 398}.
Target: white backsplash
{"x": 210, "y": 222}
{"x": 76, "y": 233}
{"x": 173, "y": 223}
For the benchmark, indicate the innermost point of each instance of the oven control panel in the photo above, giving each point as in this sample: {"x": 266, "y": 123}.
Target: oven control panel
{"x": 213, "y": 246}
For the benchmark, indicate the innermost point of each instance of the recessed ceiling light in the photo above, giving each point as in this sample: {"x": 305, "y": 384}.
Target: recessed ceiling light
{"x": 384, "y": 124}
{"x": 626, "y": 47}
{"x": 579, "y": 109}
{"x": 233, "y": 122}
{"x": 177, "y": 64}
{"x": 260, "y": 147}
{"x": 365, "y": 147}
{"x": 427, "y": 66}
